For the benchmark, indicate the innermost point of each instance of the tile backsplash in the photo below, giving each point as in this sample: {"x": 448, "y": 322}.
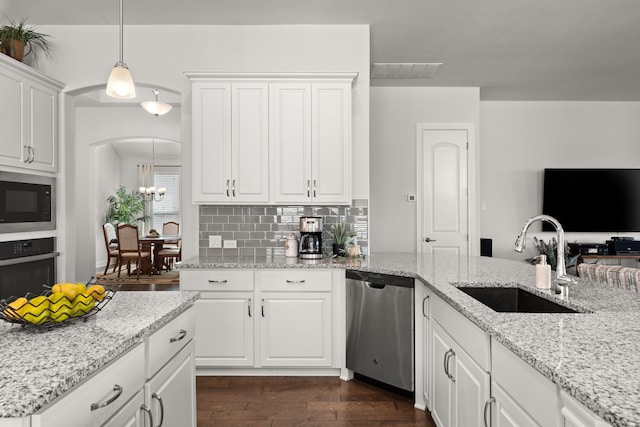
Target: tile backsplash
{"x": 262, "y": 230}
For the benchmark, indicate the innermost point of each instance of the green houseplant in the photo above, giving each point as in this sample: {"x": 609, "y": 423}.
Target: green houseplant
{"x": 126, "y": 208}
{"x": 342, "y": 238}
{"x": 17, "y": 35}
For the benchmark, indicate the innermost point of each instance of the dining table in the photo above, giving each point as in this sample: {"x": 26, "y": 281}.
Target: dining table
{"x": 153, "y": 244}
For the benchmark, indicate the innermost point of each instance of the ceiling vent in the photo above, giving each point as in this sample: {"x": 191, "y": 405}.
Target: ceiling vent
{"x": 398, "y": 70}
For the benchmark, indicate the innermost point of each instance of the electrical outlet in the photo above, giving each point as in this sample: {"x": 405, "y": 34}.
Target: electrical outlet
{"x": 230, "y": 244}
{"x": 215, "y": 241}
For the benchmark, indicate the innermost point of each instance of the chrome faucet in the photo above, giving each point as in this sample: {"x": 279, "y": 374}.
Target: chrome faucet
{"x": 562, "y": 279}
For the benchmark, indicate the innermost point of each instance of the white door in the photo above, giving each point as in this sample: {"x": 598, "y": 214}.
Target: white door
{"x": 443, "y": 190}
{"x": 441, "y": 399}
{"x": 471, "y": 391}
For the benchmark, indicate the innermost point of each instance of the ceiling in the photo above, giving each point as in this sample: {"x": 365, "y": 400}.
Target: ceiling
{"x": 511, "y": 49}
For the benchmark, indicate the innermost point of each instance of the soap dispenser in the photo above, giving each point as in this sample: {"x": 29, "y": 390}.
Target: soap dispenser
{"x": 543, "y": 273}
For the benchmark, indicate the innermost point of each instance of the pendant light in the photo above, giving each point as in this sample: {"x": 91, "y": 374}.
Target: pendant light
{"x": 156, "y": 107}
{"x": 120, "y": 83}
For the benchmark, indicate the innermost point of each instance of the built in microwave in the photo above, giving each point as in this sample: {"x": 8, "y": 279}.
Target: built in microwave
{"x": 27, "y": 202}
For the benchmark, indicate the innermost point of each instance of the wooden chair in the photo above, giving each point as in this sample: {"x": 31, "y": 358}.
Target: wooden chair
{"x": 130, "y": 248}
{"x": 111, "y": 244}
{"x": 171, "y": 250}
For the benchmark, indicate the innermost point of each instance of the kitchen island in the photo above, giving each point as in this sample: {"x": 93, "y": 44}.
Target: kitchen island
{"x": 592, "y": 355}
{"x": 40, "y": 366}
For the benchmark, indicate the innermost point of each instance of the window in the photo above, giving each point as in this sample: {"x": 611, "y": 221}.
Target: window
{"x": 168, "y": 209}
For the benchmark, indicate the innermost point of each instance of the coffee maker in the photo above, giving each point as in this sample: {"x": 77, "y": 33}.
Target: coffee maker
{"x": 310, "y": 237}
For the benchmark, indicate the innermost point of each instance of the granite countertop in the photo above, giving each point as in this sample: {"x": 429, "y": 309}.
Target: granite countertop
{"x": 593, "y": 355}
{"x": 40, "y": 364}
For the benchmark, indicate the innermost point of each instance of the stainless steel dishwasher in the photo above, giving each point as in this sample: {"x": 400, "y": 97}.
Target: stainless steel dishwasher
{"x": 380, "y": 327}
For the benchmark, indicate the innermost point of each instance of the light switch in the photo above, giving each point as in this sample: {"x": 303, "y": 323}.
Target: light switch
{"x": 215, "y": 241}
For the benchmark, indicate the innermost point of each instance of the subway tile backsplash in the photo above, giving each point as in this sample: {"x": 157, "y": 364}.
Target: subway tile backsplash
{"x": 262, "y": 230}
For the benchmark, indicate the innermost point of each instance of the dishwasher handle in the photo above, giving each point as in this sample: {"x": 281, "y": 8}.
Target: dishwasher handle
{"x": 374, "y": 285}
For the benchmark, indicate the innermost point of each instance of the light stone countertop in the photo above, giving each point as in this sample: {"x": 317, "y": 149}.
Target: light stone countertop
{"x": 593, "y": 355}
{"x": 40, "y": 364}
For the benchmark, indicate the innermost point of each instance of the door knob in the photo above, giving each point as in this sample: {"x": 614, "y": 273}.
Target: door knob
{"x": 429, "y": 239}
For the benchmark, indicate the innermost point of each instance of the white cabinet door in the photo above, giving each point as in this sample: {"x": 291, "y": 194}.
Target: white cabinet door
{"x": 170, "y": 394}
{"x": 423, "y": 382}
{"x": 331, "y": 143}
{"x": 441, "y": 399}
{"x": 291, "y": 142}
{"x": 230, "y": 142}
{"x": 471, "y": 391}
{"x": 311, "y": 140}
{"x": 295, "y": 329}
{"x": 132, "y": 414}
{"x": 224, "y": 329}
{"x": 12, "y": 150}
{"x": 211, "y": 141}
{"x": 505, "y": 412}
{"x": 250, "y": 142}
{"x": 43, "y": 132}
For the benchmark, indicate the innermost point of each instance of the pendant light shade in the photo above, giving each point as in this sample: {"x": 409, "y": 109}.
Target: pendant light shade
{"x": 156, "y": 107}
{"x": 120, "y": 83}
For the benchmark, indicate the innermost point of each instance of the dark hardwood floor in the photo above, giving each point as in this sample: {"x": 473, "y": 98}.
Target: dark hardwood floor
{"x": 301, "y": 401}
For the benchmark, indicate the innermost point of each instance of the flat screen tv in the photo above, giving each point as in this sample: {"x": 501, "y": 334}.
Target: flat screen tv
{"x": 593, "y": 200}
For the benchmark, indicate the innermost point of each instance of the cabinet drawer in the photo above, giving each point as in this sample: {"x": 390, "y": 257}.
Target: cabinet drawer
{"x": 473, "y": 339}
{"x": 216, "y": 280}
{"x": 167, "y": 341}
{"x": 74, "y": 408}
{"x": 294, "y": 280}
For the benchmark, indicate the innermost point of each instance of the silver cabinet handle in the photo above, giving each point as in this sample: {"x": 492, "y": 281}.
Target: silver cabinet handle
{"x": 159, "y": 399}
{"x": 424, "y": 300}
{"x": 179, "y": 337}
{"x": 295, "y": 281}
{"x": 314, "y": 188}
{"x": 487, "y": 405}
{"x": 249, "y": 306}
{"x": 262, "y": 307}
{"x": 218, "y": 282}
{"x": 233, "y": 188}
{"x": 148, "y": 411}
{"x": 227, "y": 188}
{"x": 33, "y": 154}
{"x": 308, "y": 188}
{"x": 447, "y": 356}
{"x": 429, "y": 239}
{"x": 117, "y": 391}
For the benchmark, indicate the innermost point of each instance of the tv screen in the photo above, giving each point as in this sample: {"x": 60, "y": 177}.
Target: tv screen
{"x": 593, "y": 200}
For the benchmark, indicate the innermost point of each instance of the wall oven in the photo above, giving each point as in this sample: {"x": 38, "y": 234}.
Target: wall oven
{"x": 27, "y": 202}
{"x": 27, "y": 265}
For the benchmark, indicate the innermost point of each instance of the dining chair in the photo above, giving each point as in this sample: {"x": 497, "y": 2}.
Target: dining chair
{"x": 171, "y": 250}
{"x": 130, "y": 248}
{"x": 111, "y": 245}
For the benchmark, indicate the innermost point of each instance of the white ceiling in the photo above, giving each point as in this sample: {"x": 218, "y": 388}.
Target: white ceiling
{"x": 511, "y": 49}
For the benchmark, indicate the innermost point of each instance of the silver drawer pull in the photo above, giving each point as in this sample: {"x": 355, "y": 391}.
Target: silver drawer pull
{"x": 295, "y": 281}
{"x": 148, "y": 412}
{"x": 117, "y": 391}
{"x": 180, "y": 336}
{"x": 219, "y": 282}
{"x": 159, "y": 399}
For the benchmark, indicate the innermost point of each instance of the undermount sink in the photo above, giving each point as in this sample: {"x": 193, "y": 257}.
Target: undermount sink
{"x": 514, "y": 300}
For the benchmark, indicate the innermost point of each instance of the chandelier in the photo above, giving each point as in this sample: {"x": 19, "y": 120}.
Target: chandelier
{"x": 153, "y": 193}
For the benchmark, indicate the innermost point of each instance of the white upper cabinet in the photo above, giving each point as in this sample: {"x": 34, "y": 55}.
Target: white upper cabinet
{"x": 271, "y": 138}
{"x": 28, "y": 117}
{"x": 311, "y": 143}
{"x": 230, "y": 142}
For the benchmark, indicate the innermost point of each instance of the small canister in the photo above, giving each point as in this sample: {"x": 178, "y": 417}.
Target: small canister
{"x": 291, "y": 246}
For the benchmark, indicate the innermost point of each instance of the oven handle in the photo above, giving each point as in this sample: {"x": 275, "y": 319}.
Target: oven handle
{"x": 22, "y": 260}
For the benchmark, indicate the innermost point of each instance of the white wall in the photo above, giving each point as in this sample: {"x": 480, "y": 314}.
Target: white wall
{"x": 521, "y": 139}
{"x": 158, "y": 55}
{"x": 107, "y": 177}
{"x": 395, "y": 112}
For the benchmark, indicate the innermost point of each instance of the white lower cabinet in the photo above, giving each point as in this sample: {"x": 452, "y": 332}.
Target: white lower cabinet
{"x": 266, "y": 318}
{"x": 506, "y": 412}
{"x": 423, "y": 371}
{"x": 132, "y": 414}
{"x": 573, "y": 414}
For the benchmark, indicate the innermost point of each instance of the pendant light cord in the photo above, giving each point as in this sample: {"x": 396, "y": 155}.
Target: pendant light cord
{"x": 121, "y": 62}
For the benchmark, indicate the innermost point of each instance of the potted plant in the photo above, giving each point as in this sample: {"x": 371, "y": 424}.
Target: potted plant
{"x": 342, "y": 238}
{"x": 16, "y": 36}
{"x": 125, "y": 208}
